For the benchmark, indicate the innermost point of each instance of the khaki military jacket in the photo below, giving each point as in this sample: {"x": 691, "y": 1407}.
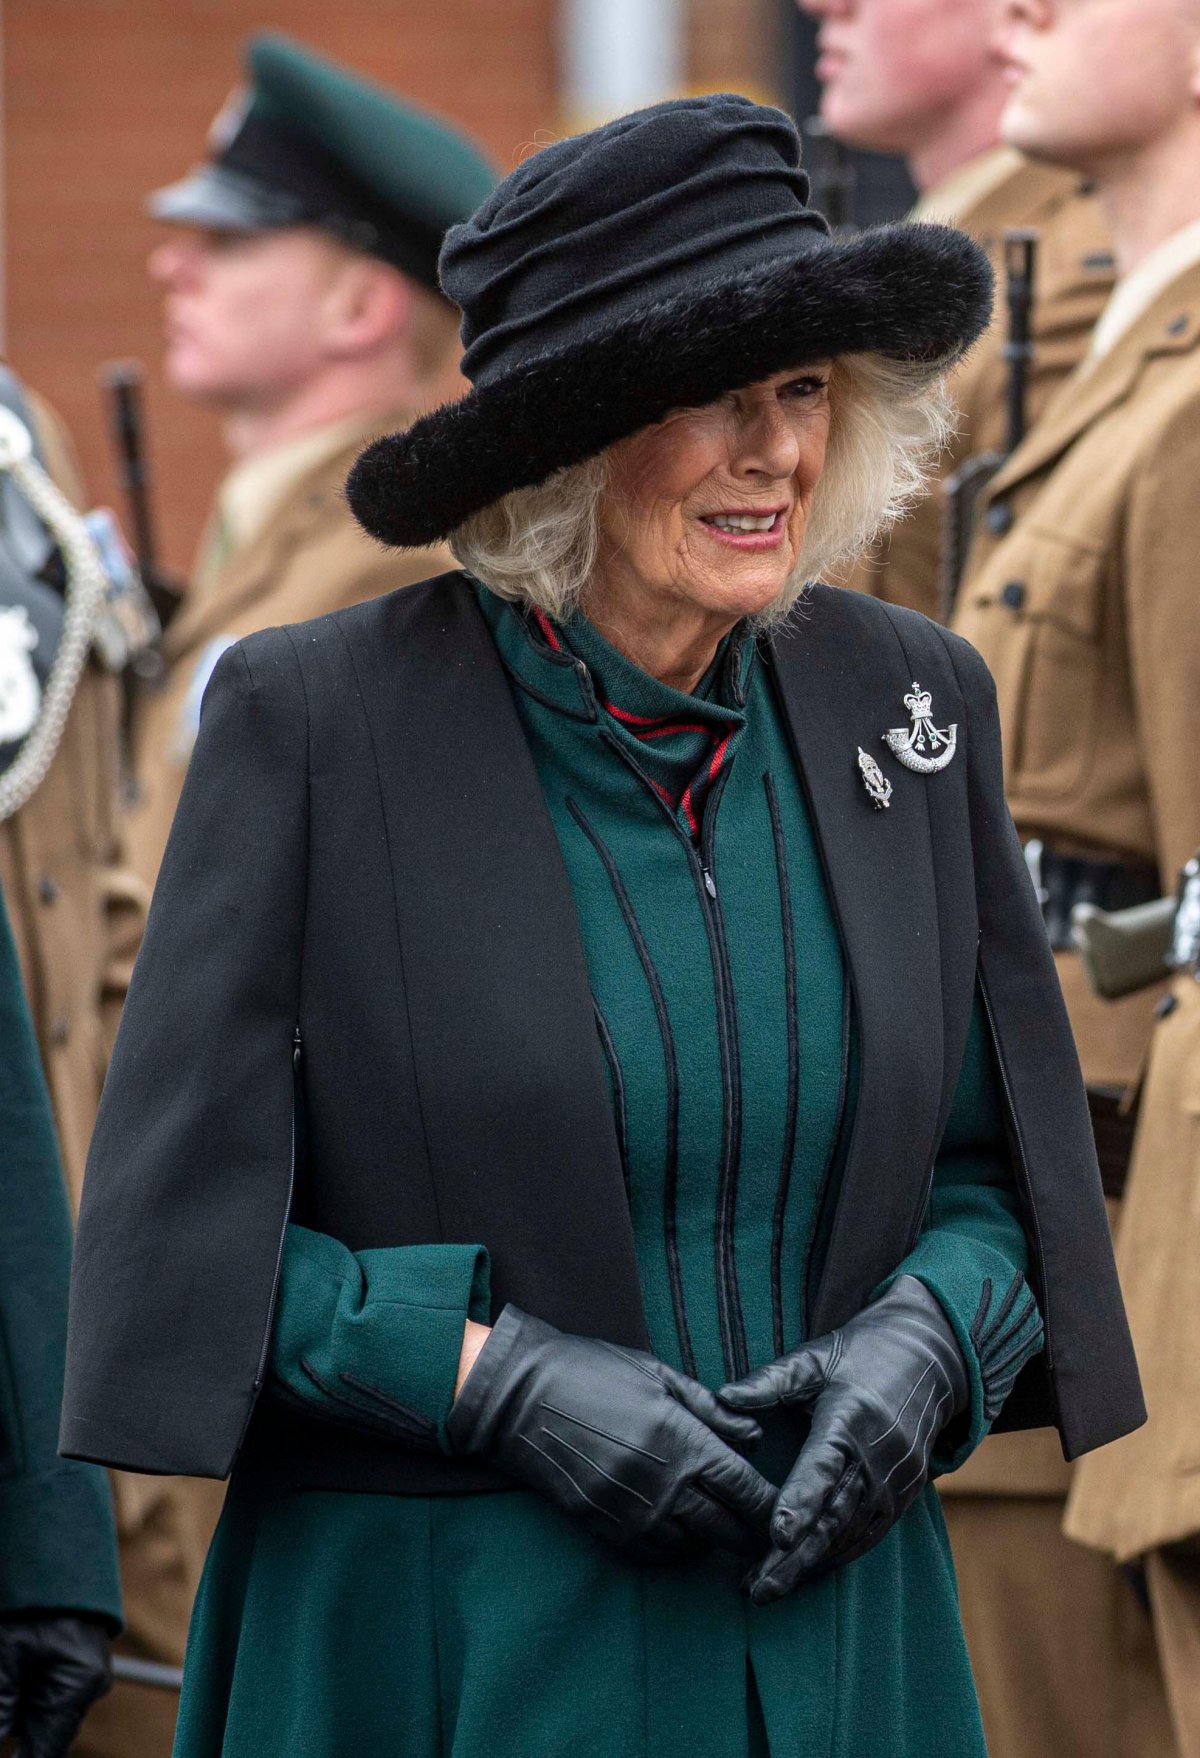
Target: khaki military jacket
{"x": 308, "y": 558}
{"x": 1145, "y": 1490}
{"x": 1086, "y": 613}
{"x": 1074, "y": 278}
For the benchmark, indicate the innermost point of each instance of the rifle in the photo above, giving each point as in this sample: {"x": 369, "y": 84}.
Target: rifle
{"x": 965, "y": 488}
{"x": 123, "y": 381}
{"x": 831, "y": 174}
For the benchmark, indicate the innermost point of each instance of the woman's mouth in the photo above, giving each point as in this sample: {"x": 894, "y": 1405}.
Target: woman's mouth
{"x": 746, "y": 529}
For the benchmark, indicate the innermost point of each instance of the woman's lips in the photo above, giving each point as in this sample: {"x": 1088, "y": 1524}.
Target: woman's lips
{"x": 749, "y": 540}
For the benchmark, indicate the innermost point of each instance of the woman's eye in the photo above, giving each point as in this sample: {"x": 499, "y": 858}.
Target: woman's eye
{"x": 810, "y": 386}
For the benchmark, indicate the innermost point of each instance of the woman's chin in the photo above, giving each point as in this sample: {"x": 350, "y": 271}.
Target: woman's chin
{"x": 745, "y": 588}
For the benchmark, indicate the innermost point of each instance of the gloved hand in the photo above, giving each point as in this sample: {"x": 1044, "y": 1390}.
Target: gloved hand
{"x": 636, "y": 1453}
{"x": 53, "y": 1667}
{"x": 881, "y": 1390}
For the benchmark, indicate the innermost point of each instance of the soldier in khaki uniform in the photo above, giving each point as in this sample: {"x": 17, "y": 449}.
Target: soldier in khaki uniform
{"x": 915, "y": 77}
{"x": 301, "y": 302}
{"x": 1081, "y": 598}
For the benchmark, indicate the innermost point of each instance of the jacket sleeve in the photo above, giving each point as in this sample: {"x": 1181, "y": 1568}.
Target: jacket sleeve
{"x": 372, "y": 1339}
{"x": 189, "y": 1176}
{"x": 972, "y": 1253}
{"x": 57, "y": 1538}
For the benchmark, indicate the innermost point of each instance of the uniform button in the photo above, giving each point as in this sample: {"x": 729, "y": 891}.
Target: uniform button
{"x": 47, "y": 889}
{"x": 1000, "y": 519}
{"x": 1013, "y": 594}
{"x": 60, "y": 1031}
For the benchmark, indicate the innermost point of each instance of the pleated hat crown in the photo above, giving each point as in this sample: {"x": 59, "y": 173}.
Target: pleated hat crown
{"x": 646, "y": 207}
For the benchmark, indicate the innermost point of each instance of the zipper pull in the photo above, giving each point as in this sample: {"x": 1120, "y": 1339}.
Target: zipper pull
{"x": 709, "y": 886}
{"x": 296, "y": 1042}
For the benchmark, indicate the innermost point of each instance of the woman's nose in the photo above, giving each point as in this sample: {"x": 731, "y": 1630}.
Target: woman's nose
{"x": 766, "y": 444}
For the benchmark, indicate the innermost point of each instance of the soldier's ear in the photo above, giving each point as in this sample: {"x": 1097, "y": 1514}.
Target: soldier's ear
{"x": 372, "y": 306}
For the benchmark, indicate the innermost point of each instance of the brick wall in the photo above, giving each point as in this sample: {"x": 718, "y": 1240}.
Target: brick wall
{"x": 737, "y": 45}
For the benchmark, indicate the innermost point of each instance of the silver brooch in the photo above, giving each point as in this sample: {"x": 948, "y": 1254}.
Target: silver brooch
{"x": 922, "y": 746}
{"x": 874, "y": 780}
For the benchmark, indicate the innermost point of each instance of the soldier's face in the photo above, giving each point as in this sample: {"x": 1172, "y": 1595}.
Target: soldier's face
{"x": 890, "y": 70}
{"x": 247, "y": 316}
{"x": 1096, "y": 80}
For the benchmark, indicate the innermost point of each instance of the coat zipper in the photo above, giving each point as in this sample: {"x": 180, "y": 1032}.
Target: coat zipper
{"x": 729, "y": 1306}
{"x": 729, "y": 1303}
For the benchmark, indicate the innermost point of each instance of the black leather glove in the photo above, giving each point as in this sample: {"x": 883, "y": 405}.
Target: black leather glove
{"x": 53, "y": 1667}
{"x": 881, "y": 1389}
{"x": 635, "y": 1452}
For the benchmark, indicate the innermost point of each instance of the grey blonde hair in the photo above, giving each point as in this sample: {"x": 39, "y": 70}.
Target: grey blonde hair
{"x": 889, "y": 421}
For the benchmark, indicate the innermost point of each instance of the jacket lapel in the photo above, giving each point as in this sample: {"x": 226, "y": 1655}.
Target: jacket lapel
{"x": 514, "y": 1096}
{"x": 841, "y": 687}
{"x": 1170, "y": 326}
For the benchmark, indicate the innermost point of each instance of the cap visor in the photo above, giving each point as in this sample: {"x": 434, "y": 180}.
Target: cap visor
{"x": 223, "y": 201}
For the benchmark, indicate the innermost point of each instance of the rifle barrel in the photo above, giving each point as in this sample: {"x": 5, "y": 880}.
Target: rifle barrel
{"x": 1020, "y": 259}
{"x": 123, "y": 380}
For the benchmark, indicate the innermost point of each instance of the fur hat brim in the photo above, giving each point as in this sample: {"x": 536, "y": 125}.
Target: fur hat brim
{"x": 911, "y": 292}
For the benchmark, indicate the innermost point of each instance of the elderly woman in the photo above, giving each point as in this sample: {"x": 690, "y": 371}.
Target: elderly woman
{"x": 594, "y": 1130}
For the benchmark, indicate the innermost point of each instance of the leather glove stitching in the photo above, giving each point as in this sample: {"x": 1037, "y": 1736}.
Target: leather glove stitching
{"x": 604, "y": 1433}
{"x": 577, "y": 1487}
{"x": 599, "y": 1469}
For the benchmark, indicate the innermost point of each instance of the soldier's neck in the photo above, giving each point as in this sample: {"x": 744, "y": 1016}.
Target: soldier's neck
{"x": 262, "y": 422}
{"x": 951, "y": 139}
{"x": 1150, "y": 195}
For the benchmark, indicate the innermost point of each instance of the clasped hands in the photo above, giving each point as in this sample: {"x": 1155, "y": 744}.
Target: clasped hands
{"x": 646, "y": 1459}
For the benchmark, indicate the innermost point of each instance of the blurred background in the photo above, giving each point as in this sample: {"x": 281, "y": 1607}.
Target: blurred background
{"x": 106, "y": 99}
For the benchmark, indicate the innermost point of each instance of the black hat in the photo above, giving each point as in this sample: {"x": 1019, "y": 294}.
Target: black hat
{"x": 653, "y": 264}
{"x": 310, "y": 143}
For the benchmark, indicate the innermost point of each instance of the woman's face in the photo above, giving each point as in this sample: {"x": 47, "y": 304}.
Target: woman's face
{"x": 708, "y": 509}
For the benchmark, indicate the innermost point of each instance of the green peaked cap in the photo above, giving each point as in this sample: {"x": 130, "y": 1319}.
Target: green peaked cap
{"x": 311, "y": 143}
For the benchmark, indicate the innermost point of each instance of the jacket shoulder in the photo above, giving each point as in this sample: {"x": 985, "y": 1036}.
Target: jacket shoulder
{"x": 866, "y": 618}
{"x": 372, "y": 618}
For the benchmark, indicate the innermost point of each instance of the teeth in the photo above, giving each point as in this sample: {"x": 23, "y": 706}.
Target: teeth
{"x": 741, "y": 522}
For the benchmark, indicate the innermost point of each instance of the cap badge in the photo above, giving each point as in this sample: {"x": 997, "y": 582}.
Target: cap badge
{"x": 922, "y": 746}
{"x": 874, "y": 780}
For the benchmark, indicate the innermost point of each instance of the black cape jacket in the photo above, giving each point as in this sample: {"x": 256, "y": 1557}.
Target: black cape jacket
{"x": 363, "y": 859}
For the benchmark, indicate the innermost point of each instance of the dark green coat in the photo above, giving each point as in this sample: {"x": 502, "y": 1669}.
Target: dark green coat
{"x": 487, "y": 1626}
{"x": 57, "y": 1539}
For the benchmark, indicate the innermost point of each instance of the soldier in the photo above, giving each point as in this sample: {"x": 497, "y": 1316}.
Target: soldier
{"x": 59, "y": 1598}
{"x": 1080, "y": 596}
{"x": 1141, "y": 1502}
{"x": 915, "y": 77}
{"x": 302, "y": 304}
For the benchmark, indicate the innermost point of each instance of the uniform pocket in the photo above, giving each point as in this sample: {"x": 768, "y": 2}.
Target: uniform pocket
{"x": 1045, "y": 649}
